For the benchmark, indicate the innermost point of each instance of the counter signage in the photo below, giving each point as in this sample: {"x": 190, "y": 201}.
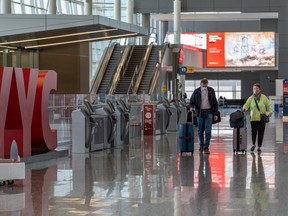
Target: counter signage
{"x": 148, "y": 119}
{"x": 285, "y": 97}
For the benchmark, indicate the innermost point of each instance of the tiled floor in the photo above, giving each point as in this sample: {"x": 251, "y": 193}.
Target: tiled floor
{"x": 149, "y": 177}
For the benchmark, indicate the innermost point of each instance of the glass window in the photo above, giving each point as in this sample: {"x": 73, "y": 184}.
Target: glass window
{"x": 16, "y": 8}
{"x": 230, "y": 89}
{"x": 28, "y": 10}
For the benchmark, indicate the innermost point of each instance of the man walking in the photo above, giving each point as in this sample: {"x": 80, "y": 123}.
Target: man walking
{"x": 204, "y": 101}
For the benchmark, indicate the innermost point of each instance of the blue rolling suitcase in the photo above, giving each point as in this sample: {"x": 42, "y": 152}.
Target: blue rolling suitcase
{"x": 186, "y": 137}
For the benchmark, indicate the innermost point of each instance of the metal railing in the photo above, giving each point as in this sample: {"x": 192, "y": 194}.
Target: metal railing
{"x": 141, "y": 68}
{"x": 120, "y": 70}
{"x": 102, "y": 69}
{"x": 156, "y": 71}
{"x": 133, "y": 79}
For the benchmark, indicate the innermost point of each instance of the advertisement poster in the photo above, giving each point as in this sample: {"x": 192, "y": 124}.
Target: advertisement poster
{"x": 241, "y": 49}
{"x": 216, "y": 49}
{"x": 250, "y": 49}
{"x": 149, "y": 110}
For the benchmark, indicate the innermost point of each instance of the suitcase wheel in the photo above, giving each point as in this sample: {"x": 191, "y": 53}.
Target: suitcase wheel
{"x": 10, "y": 182}
{"x": 2, "y": 183}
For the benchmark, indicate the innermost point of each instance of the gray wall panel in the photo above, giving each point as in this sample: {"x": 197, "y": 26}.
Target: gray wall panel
{"x": 218, "y": 26}
{"x": 278, "y": 3}
{"x": 269, "y": 25}
{"x": 147, "y": 6}
{"x": 196, "y": 4}
{"x": 252, "y": 26}
{"x": 227, "y": 4}
{"x": 282, "y": 74}
{"x": 260, "y": 8}
{"x": 282, "y": 27}
{"x": 255, "y": 3}
{"x": 166, "y": 5}
{"x": 283, "y": 13}
{"x": 205, "y": 26}
{"x": 284, "y": 41}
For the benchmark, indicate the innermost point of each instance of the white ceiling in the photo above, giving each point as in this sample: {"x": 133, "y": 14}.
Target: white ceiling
{"x": 216, "y": 16}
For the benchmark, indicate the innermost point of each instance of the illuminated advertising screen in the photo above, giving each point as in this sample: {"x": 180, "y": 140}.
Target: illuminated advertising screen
{"x": 216, "y": 49}
{"x": 241, "y": 49}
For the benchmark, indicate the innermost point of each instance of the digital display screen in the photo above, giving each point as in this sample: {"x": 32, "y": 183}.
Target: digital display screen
{"x": 241, "y": 49}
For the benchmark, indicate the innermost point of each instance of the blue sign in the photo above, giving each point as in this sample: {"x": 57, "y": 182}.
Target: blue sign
{"x": 183, "y": 70}
{"x": 285, "y": 97}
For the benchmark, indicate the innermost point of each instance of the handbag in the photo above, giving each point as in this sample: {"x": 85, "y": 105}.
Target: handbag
{"x": 263, "y": 116}
{"x": 218, "y": 119}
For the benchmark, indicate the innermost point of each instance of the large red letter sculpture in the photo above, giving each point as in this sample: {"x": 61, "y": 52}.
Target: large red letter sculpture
{"x": 24, "y": 110}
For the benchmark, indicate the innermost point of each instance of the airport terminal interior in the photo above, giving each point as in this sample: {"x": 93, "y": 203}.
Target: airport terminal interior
{"x": 95, "y": 100}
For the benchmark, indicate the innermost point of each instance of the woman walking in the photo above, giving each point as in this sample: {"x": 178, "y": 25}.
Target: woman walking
{"x": 258, "y": 104}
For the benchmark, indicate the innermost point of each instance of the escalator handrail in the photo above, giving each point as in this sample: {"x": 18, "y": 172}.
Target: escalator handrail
{"x": 142, "y": 68}
{"x": 103, "y": 67}
{"x": 156, "y": 71}
{"x": 120, "y": 70}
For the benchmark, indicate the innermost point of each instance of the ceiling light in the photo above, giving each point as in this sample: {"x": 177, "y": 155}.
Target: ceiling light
{"x": 56, "y": 36}
{"x": 77, "y": 41}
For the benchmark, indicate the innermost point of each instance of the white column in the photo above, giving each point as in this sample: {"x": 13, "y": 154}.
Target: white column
{"x": 6, "y": 6}
{"x": 130, "y": 11}
{"x": 117, "y": 10}
{"x": 177, "y": 18}
{"x": 88, "y": 7}
{"x": 177, "y": 201}
{"x": 177, "y": 35}
{"x": 52, "y": 8}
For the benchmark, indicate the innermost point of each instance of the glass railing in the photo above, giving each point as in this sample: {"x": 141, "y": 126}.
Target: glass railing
{"x": 61, "y": 107}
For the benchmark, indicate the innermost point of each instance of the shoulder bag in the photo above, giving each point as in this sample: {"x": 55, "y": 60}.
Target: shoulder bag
{"x": 263, "y": 116}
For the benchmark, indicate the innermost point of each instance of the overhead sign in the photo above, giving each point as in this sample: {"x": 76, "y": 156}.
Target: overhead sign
{"x": 190, "y": 69}
{"x": 183, "y": 70}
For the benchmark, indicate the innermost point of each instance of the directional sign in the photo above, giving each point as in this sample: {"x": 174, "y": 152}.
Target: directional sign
{"x": 190, "y": 69}
{"x": 183, "y": 70}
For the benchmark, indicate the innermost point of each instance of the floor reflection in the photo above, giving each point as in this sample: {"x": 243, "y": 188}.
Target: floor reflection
{"x": 149, "y": 177}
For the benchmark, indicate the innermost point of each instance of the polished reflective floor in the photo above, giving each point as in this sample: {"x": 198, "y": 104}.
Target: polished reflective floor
{"x": 149, "y": 177}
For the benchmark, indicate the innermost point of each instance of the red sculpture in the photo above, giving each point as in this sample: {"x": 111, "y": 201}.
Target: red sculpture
{"x": 24, "y": 110}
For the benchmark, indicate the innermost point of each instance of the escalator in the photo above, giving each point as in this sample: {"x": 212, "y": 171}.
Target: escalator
{"x": 110, "y": 70}
{"x": 149, "y": 70}
{"x": 125, "y": 81}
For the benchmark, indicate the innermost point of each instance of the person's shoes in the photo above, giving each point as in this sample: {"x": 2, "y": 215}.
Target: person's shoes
{"x": 206, "y": 150}
{"x": 259, "y": 150}
{"x": 201, "y": 149}
{"x": 252, "y": 148}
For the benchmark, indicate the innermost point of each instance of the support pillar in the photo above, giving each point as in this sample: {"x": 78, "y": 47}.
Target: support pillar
{"x": 88, "y": 7}
{"x": 6, "y": 7}
{"x": 146, "y": 24}
{"x": 177, "y": 37}
{"x": 52, "y": 8}
{"x": 130, "y": 11}
{"x": 117, "y": 10}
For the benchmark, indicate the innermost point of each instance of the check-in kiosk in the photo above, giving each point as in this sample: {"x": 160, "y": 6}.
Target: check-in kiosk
{"x": 122, "y": 126}
{"x": 163, "y": 115}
